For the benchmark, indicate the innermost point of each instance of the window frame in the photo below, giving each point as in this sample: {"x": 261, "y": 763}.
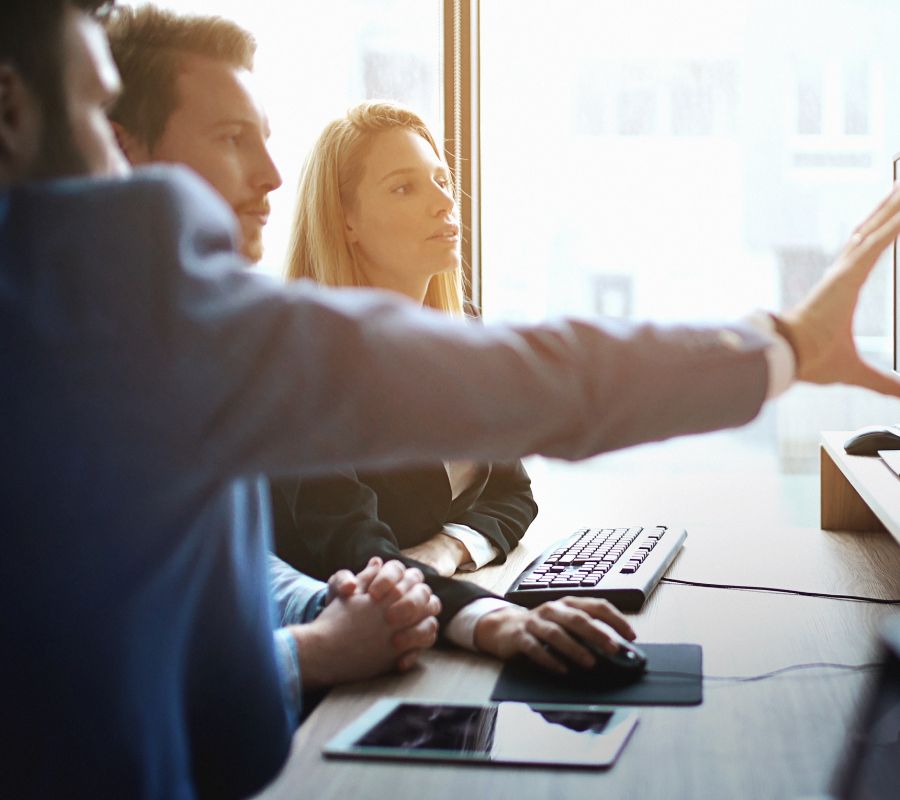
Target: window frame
{"x": 462, "y": 134}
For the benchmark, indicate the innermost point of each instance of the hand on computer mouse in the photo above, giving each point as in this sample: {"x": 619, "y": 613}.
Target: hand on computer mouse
{"x": 627, "y": 664}
{"x": 565, "y": 626}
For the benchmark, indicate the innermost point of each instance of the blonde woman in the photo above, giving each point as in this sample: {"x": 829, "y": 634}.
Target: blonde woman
{"x": 375, "y": 209}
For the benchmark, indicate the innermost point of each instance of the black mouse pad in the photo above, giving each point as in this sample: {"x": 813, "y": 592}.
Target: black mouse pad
{"x": 525, "y": 682}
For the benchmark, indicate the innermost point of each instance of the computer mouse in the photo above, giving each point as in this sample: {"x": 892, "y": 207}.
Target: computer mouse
{"x": 869, "y": 440}
{"x": 628, "y": 664}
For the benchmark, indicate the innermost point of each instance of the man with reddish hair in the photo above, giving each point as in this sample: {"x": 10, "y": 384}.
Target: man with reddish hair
{"x": 188, "y": 97}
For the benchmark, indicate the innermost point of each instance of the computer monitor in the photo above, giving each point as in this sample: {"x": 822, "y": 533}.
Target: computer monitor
{"x": 870, "y": 766}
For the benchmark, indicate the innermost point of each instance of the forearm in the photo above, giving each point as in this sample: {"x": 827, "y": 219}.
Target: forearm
{"x": 569, "y": 389}
{"x": 443, "y": 552}
{"x": 477, "y": 549}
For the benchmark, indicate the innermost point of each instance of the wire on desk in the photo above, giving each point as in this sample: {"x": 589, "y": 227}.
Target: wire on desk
{"x": 773, "y": 674}
{"x": 777, "y": 590}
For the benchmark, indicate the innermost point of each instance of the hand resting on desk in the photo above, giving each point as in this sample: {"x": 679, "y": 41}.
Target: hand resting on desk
{"x": 375, "y": 621}
{"x": 512, "y": 630}
{"x": 442, "y": 553}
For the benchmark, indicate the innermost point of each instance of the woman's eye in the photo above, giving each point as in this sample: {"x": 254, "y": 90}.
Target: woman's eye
{"x": 442, "y": 182}
{"x": 401, "y": 189}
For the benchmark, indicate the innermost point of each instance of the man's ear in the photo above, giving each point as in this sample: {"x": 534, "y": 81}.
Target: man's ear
{"x": 134, "y": 149}
{"x": 20, "y": 124}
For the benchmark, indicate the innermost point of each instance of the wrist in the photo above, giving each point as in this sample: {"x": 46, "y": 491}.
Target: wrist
{"x": 309, "y": 651}
{"x": 458, "y": 551}
{"x": 489, "y": 629}
{"x": 785, "y": 330}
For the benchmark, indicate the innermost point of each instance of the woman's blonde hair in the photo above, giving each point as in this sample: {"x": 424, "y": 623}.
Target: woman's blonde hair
{"x": 319, "y": 248}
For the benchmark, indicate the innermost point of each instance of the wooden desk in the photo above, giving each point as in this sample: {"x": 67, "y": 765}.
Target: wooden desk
{"x": 775, "y": 738}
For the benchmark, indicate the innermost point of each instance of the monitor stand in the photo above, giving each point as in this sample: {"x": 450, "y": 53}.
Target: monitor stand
{"x": 858, "y": 493}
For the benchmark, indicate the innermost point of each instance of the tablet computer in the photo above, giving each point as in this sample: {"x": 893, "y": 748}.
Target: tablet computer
{"x": 489, "y": 733}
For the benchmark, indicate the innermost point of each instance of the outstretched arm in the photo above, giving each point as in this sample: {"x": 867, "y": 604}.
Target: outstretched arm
{"x": 338, "y": 377}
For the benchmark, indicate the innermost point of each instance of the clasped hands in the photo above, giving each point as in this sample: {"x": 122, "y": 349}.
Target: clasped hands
{"x": 377, "y": 620}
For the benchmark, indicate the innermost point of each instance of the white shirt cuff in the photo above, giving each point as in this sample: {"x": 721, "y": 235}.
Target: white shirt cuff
{"x": 481, "y": 549}
{"x": 461, "y": 629}
{"x": 779, "y": 355}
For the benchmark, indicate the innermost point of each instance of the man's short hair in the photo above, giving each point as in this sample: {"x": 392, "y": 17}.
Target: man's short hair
{"x": 148, "y": 45}
{"x": 30, "y": 41}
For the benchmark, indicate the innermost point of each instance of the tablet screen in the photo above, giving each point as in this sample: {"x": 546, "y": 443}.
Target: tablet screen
{"x": 505, "y": 733}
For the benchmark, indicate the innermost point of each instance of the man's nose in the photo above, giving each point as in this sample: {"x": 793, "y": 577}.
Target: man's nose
{"x": 267, "y": 177}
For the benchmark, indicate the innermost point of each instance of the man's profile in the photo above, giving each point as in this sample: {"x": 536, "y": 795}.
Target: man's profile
{"x": 189, "y": 99}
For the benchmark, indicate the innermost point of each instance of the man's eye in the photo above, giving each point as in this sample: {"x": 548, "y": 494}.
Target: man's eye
{"x": 403, "y": 188}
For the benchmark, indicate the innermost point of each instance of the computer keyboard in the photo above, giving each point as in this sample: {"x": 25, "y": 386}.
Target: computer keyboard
{"x": 622, "y": 565}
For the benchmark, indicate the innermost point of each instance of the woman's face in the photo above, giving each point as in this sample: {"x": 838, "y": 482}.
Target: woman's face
{"x": 402, "y": 223}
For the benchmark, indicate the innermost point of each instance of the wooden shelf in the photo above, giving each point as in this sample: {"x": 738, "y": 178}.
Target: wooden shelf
{"x": 859, "y": 493}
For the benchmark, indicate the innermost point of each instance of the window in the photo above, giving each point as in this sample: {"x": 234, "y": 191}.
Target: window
{"x": 839, "y": 118}
{"x": 688, "y": 161}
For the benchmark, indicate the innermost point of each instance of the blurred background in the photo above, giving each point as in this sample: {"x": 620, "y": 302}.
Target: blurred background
{"x": 686, "y": 161}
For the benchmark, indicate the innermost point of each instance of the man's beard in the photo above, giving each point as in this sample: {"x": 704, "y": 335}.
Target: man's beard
{"x": 251, "y": 249}
{"x": 252, "y": 246}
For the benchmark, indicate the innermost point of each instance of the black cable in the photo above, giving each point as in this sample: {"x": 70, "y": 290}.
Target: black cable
{"x": 777, "y": 590}
{"x": 773, "y": 674}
